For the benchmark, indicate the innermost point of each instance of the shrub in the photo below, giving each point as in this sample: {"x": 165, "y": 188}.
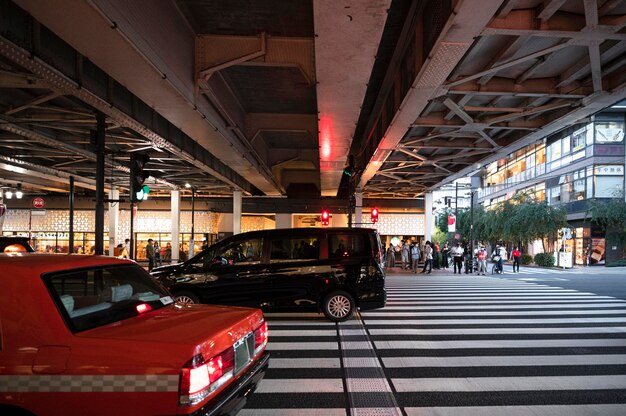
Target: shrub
{"x": 544, "y": 260}
{"x": 526, "y": 259}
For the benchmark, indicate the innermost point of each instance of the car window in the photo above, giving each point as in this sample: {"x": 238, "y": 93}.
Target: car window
{"x": 296, "y": 248}
{"x": 347, "y": 245}
{"x": 241, "y": 251}
{"x": 93, "y": 297}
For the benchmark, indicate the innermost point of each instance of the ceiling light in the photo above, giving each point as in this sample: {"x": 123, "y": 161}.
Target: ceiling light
{"x": 8, "y": 194}
{"x": 19, "y": 194}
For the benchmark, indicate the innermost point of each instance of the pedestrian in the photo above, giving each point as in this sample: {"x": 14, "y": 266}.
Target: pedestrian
{"x": 445, "y": 252}
{"x": 168, "y": 253}
{"x": 126, "y": 248}
{"x": 481, "y": 255}
{"x": 405, "y": 255}
{"x": 436, "y": 257}
{"x": 150, "y": 254}
{"x": 467, "y": 255}
{"x": 516, "y": 254}
{"x": 415, "y": 257}
{"x": 157, "y": 254}
{"x": 391, "y": 257}
{"x": 457, "y": 257}
{"x": 428, "y": 257}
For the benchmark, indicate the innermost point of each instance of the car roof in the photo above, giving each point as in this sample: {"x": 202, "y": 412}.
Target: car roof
{"x": 44, "y": 263}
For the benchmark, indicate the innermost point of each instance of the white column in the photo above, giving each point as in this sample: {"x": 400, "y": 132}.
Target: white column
{"x": 358, "y": 208}
{"x": 175, "y": 220}
{"x": 114, "y": 220}
{"x": 428, "y": 216}
{"x": 283, "y": 221}
{"x": 237, "y": 204}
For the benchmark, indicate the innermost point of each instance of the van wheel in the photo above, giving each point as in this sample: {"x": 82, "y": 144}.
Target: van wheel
{"x": 186, "y": 297}
{"x": 338, "y": 306}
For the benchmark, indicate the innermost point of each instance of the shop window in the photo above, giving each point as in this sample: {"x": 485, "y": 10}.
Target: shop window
{"x": 609, "y": 186}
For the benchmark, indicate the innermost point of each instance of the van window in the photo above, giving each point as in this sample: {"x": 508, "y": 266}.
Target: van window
{"x": 296, "y": 248}
{"x": 347, "y": 245}
{"x": 242, "y": 251}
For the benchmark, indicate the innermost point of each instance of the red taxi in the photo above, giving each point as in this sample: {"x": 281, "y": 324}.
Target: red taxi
{"x": 94, "y": 335}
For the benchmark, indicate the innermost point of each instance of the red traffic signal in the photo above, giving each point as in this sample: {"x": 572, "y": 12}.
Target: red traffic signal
{"x": 374, "y": 215}
{"x": 325, "y": 217}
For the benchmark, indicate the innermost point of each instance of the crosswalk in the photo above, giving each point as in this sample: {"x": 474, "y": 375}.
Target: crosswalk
{"x": 452, "y": 346}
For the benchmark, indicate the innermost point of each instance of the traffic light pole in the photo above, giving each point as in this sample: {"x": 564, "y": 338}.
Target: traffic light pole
{"x": 131, "y": 249}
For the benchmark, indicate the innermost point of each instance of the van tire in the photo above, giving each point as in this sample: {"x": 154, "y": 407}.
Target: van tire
{"x": 338, "y": 306}
{"x": 186, "y": 297}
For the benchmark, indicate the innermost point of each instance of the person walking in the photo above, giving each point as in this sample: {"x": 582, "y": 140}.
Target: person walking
{"x": 150, "y": 254}
{"x": 415, "y": 257}
{"x": 445, "y": 252}
{"x": 457, "y": 257}
{"x": 481, "y": 256}
{"x": 405, "y": 255}
{"x": 157, "y": 254}
{"x": 436, "y": 257}
{"x": 428, "y": 257}
{"x": 391, "y": 257}
{"x": 516, "y": 254}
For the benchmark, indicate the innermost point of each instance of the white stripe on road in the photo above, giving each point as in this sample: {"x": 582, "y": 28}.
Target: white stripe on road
{"x": 504, "y": 361}
{"x": 370, "y": 314}
{"x": 300, "y": 333}
{"x": 292, "y": 412}
{"x": 304, "y": 345}
{"x": 526, "y": 321}
{"x": 497, "y": 302}
{"x": 477, "y": 384}
{"x": 495, "y": 331}
{"x": 301, "y": 385}
{"x": 507, "y": 306}
{"x": 551, "y": 410}
{"x": 517, "y": 343}
{"x": 304, "y": 363}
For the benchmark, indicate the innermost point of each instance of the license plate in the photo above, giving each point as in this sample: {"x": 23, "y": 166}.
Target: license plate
{"x": 244, "y": 351}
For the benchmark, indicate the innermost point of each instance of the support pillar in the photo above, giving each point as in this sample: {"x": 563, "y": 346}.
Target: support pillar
{"x": 237, "y": 207}
{"x": 114, "y": 220}
{"x": 358, "y": 208}
{"x": 428, "y": 216}
{"x": 283, "y": 221}
{"x": 175, "y": 221}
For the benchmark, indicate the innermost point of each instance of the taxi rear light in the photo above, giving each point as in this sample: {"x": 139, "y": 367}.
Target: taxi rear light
{"x": 200, "y": 378}
{"x": 260, "y": 337}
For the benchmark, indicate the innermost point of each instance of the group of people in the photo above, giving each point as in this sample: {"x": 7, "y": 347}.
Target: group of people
{"x": 462, "y": 257}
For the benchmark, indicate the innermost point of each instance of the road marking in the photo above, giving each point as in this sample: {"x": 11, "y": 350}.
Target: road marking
{"x": 504, "y": 361}
{"x": 498, "y": 343}
{"x": 477, "y": 384}
{"x": 554, "y": 410}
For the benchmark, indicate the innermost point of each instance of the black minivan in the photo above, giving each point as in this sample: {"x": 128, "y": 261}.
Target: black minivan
{"x": 335, "y": 270}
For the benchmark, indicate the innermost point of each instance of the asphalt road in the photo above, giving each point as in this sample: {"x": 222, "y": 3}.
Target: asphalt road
{"x": 538, "y": 342}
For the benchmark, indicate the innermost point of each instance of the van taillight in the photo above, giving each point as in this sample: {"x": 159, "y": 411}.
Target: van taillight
{"x": 260, "y": 337}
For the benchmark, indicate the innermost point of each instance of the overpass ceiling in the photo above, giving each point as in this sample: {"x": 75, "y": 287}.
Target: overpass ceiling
{"x": 272, "y": 97}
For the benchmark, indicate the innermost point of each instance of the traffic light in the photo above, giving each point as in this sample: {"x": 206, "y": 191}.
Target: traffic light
{"x": 374, "y": 215}
{"x": 349, "y": 170}
{"x": 138, "y": 175}
{"x": 325, "y": 217}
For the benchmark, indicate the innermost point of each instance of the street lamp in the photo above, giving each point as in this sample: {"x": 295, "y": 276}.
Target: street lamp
{"x": 193, "y": 212}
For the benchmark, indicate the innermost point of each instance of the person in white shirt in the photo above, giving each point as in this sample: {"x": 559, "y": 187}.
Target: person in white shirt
{"x": 457, "y": 257}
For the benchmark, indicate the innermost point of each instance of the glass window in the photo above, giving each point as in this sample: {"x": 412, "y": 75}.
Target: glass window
{"x": 578, "y": 139}
{"x": 555, "y": 195}
{"x": 89, "y": 298}
{"x": 297, "y": 248}
{"x": 579, "y": 190}
{"x": 566, "y": 148}
{"x": 245, "y": 251}
{"x": 346, "y": 245}
{"x": 609, "y": 186}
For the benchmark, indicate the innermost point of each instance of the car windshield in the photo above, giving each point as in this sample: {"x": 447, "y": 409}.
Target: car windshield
{"x": 93, "y": 297}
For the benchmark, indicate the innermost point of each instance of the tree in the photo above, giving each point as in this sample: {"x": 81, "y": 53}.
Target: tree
{"x": 611, "y": 216}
